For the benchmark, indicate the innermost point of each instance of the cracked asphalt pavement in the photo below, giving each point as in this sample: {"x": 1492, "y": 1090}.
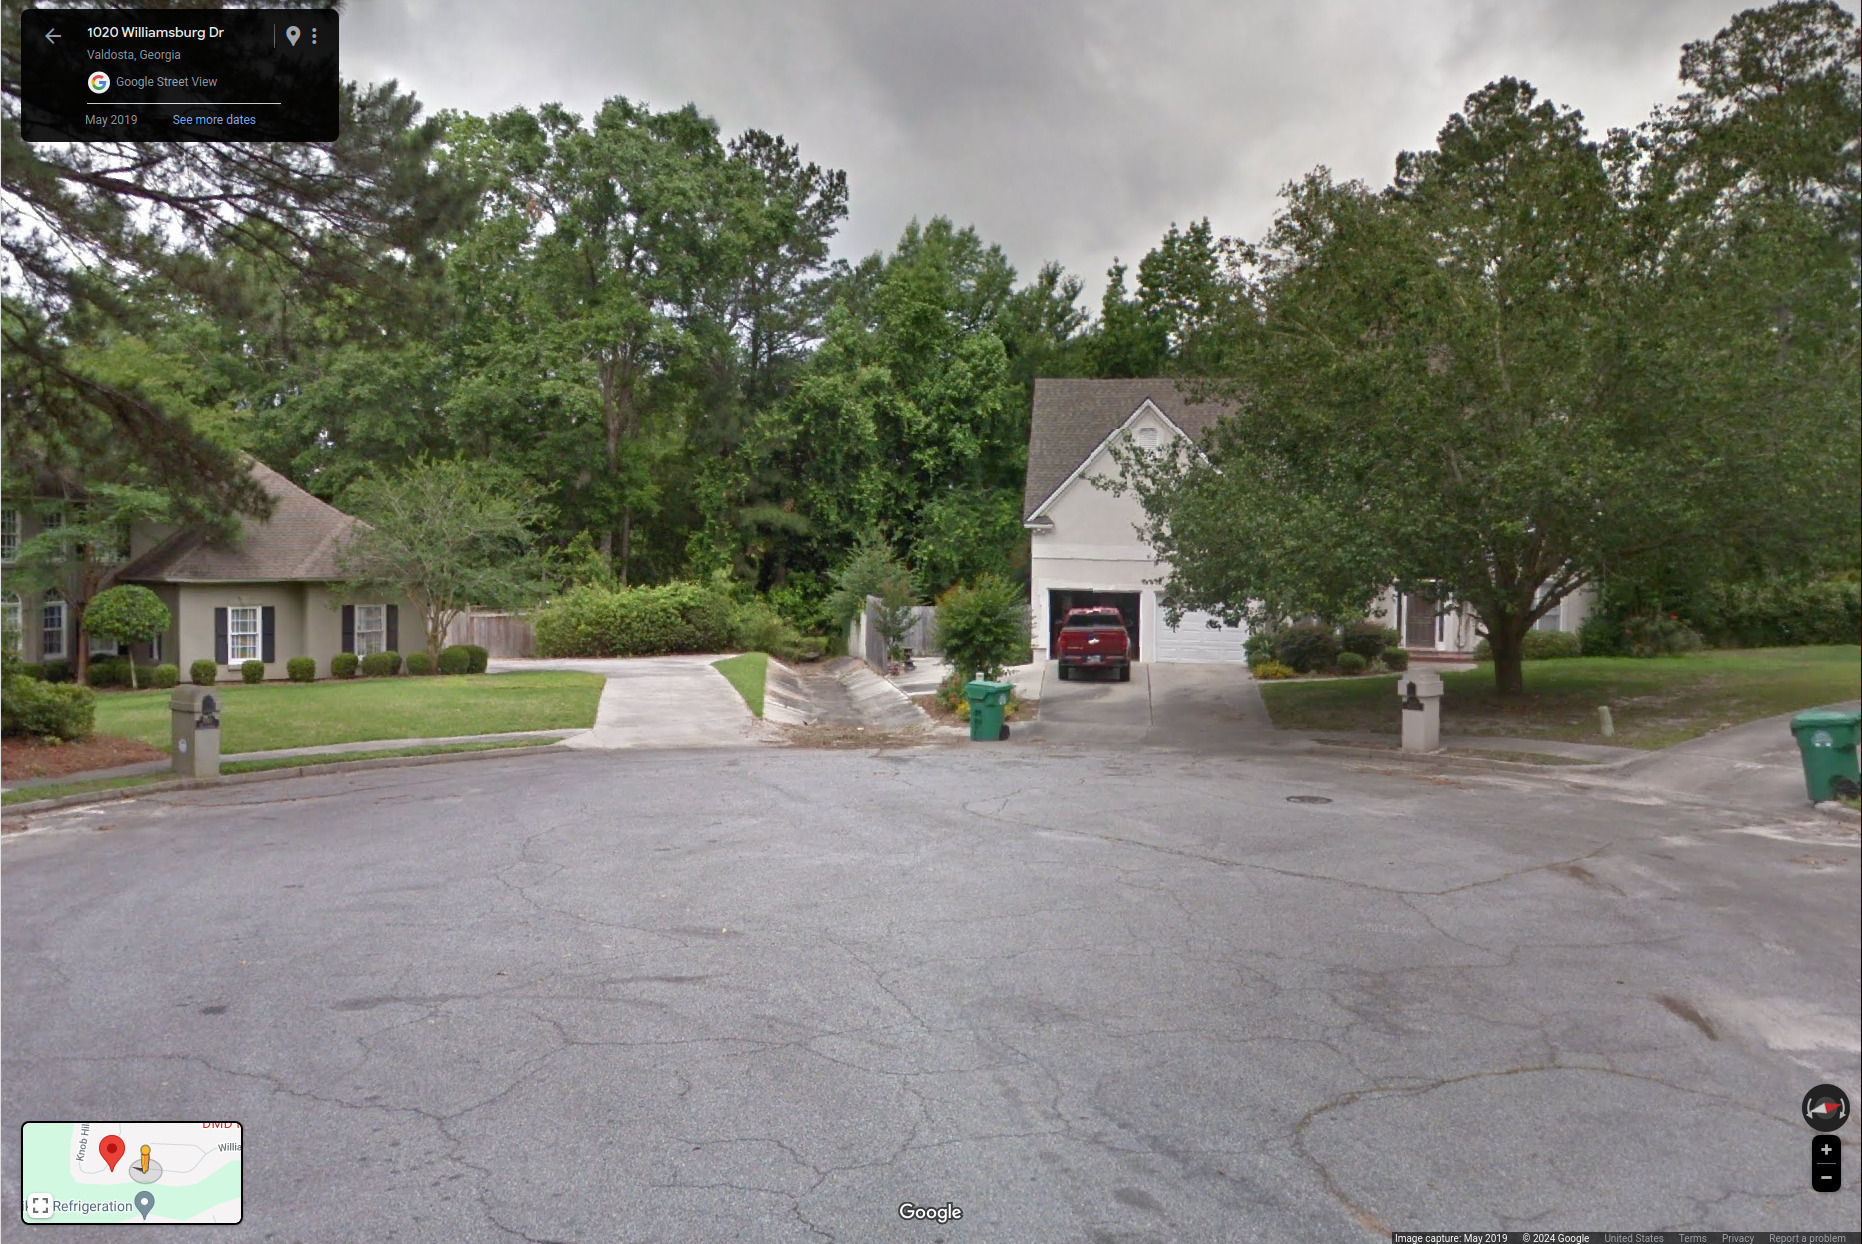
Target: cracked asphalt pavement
{"x": 1077, "y": 993}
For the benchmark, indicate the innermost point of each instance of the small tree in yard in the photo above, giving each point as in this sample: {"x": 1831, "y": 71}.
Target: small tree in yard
{"x": 981, "y": 627}
{"x": 872, "y": 570}
{"x": 446, "y": 535}
{"x": 129, "y": 614}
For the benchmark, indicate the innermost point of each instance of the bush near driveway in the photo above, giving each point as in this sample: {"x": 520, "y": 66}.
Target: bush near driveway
{"x": 273, "y": 715}
{"x": 1655, "y": 703}
{"x": 595, "y": 621}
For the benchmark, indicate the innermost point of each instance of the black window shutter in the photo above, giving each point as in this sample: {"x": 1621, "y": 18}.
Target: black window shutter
{"x": 219, "y": 636}
{"x": 394, "y": 628}
{"x": 349, "y": 628}
{"x": 268, "y": 634}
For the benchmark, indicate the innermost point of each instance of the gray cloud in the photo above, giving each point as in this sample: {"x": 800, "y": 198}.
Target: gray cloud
{"x": 1063, "y": 130}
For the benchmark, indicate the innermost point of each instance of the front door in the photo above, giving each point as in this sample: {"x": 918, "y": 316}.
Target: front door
{"x": 1418, "y": 620}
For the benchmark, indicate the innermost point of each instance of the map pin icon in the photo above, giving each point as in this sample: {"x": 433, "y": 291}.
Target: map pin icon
{"x": 110, "y": 1149}
{"x": 290, "y": 35}
{"x": 145, "y": 1201}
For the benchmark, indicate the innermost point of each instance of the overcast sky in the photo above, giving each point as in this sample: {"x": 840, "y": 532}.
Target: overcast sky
{"x": 1062, "y": 130}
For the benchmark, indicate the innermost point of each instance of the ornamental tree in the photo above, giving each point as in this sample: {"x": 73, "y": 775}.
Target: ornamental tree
{"x": 129, "y": 614}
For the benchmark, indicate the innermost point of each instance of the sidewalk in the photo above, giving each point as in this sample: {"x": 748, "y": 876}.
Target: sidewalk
{"x": 324, "y": 749}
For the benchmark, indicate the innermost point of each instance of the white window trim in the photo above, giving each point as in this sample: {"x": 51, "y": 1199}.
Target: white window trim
{"x": 237, "y": 639}
{"x": 13, "y": 616}
{"x": 377, "y": 633}
{"x": 46, "y": 651}
{"x": 155, "y": 650}
{"x": 9, "y": 535}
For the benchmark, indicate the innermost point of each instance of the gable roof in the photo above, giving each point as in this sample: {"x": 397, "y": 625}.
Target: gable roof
{"x": 1072, "y": 418}
{"x": 298, "y": 542}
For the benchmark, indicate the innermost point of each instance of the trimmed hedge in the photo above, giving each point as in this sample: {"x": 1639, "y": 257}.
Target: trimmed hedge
{"x": 108, "y": 672}
{"x": 165, "y": 675}
{"x": 301, "y": 669}
{"x": 1352, "y": 663}
{"x": 48, "y": 710}
{"x": 56, "y": 671}
{"x": 455, "y": 660}
{"x": 593, "y": 621}
{"x": 1369, "y": 639}
{"x": 1396, "y": 660}
{"x": 204, "y": 672}
{"x": 419, "y": 664}
{"x": 381, "y": 664}
{"x": 252, "y": 671}
{"x": 480, "y": 658}
{"x": 343, "y": 665}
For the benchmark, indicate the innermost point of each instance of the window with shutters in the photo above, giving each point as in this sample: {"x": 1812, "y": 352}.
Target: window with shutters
{"x": 371, "y": 629}
{"x": 52, "y": 628}
{"x": 242, "y": 634}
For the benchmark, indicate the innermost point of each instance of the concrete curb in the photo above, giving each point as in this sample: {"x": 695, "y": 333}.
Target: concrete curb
{"x": 1466, "y": 764}
{"x": 785, "y": 699}
{"x": 264, "y": 775}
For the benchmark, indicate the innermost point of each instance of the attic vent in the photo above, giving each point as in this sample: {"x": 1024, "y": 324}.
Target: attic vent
{"x": 1147, "y": 438}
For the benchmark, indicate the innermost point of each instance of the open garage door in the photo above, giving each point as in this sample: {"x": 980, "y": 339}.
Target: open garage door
{"x": 1194, "y": 639}
{"x": 1059, "y": 600}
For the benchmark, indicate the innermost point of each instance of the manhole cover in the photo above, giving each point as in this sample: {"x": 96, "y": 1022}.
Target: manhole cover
{"x": 1307, "y": 799}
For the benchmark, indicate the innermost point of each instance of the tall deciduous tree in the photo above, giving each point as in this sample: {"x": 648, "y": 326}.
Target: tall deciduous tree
{"x": 1524, "y": 367}
{"x": 447, "y": 535}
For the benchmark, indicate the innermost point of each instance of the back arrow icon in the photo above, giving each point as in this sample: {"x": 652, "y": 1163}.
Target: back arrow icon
{"x": 51, "y": 36}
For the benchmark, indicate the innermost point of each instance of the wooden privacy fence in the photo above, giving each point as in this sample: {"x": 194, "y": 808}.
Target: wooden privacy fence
{"x": 500, "y": 634}
{"x": 864, "y": 640}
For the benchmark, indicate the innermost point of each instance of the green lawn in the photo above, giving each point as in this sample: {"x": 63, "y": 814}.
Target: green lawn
{"x": 1655, "y": 702}
{"x": 747, "y": 673}
{"x": 271, "y": 715}
{"x": 57, "y": 790}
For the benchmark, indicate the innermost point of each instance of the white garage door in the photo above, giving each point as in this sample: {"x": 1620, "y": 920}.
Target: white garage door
{"x": 1195, "y": 640}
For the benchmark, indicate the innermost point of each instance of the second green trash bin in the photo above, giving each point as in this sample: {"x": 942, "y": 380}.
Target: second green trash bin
{"x": 1826, "y": 739}
{"x": 989, "y": 703}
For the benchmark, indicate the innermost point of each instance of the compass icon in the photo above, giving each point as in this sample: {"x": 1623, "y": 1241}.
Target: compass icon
{"x": 1826, "y": 1107}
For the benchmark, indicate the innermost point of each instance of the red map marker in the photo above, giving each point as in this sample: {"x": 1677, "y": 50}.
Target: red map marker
{"x": 111, "y": 1149}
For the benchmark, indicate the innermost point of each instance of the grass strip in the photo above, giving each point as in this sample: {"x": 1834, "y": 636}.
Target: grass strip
{"x": 59, "y": 790}
{"x": 747, "y": 673}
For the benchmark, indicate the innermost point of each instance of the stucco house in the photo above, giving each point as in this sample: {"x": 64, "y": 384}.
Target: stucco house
{"x": 1086, "y": 549}
{"x": 267, "y": 594}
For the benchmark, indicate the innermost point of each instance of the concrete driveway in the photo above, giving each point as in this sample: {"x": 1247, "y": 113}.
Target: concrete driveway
{"x": 1207, "y": 707}
{"x": 678, "y": 701}
{"x": 1076, "y": 994}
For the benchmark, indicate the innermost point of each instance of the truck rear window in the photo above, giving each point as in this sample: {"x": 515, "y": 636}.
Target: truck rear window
{"x": 1096, "y": 620}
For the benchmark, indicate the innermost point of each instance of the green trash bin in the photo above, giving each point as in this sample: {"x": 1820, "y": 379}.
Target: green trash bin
{"x": 989, "y": 702}
{"x": 1826, "y": 738}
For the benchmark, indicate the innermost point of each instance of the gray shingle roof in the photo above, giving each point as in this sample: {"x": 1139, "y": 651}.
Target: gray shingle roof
{"x": 1072, "y": 417}
{"x": 298, "y": 542}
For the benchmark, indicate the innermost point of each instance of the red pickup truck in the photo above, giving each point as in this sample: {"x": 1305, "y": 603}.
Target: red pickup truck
{"x": 1094, "y": 638}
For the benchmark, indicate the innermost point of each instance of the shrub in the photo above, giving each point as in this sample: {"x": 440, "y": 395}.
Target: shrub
{"x": 252, "y": 671}
{"x": 983, "y": 627}
{"x": 455, "y": 660}
{"x": 108, "y": 672}
{"x": 761, "y": 628}
{"x": 1351, "y": 663}
{"x": 594, "y": 621}
{"x": 1396, "y": 660}
{"x": 165, "y": 675}
{"x": 31, "y": 670}
{"x": 1601, "y": 635}
{"x": 1306, "y": 646}
{"x": 1258, "y": 647}
{"x": 480, "y": 658}
{"x": 343, "y": 665}
{"x": 55, "y": 671}
{"x": 419, "y": 664}
{"x": 1267, "y": 671}
{"x": 1778, "y": 613}
{"x": 1539, "y": 646}
{"x": 204, "y": 672}
{"x": 1368, "y": 639}
{"x": 1661, "y": 635}
{"x": 381, "y": 664}
{"x": 301, "y": 669}
{"x": 48, "y": 711}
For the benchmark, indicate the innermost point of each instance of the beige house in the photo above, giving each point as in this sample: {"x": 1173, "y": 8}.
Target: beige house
{"x": 1085, "y": 547}
{"x": 268, "y": 594}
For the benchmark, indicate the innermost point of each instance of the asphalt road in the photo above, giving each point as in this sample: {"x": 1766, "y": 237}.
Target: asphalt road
{"x": 1102, "y": 995}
